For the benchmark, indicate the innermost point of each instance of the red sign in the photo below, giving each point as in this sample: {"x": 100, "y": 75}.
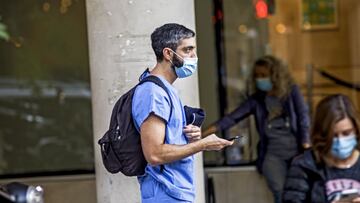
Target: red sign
{"x": 261, "y": 9}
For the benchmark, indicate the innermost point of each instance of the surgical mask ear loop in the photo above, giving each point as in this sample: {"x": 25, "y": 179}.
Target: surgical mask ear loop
{"x": 177, "y": 55}
{"x": 181, "y": 56}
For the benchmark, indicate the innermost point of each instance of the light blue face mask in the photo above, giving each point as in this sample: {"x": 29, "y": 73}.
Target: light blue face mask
{"x": 188, "y": 68}
{"x": 264, "y": 84}
{"x": 343, "y": 147}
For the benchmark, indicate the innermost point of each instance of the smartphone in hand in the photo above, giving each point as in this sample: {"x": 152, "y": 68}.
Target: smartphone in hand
{"x": 349, "y": 195}
{"x": 234, "y": 138}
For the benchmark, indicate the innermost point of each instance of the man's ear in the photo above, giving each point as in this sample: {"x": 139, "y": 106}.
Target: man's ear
{"x": 168, "y": 54}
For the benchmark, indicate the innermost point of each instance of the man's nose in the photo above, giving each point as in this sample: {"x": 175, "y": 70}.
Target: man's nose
{"x": 194, "y": 54}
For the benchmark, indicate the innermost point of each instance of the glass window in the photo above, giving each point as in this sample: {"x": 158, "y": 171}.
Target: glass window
{"x": 45, "y": 105}
{"x": 240, "y": 38}
{"x": 317, "y": 40}
{"x": 245, "y": 40}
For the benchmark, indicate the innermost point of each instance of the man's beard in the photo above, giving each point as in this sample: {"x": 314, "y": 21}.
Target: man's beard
{"x": 176, "y": 62}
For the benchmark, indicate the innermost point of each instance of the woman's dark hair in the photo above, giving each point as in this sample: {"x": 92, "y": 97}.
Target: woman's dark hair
{"x": 279, "y": 75}
{"x": 329, "y": 111}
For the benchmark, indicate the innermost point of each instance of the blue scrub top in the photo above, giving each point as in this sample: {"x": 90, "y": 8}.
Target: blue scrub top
{"x": 177, "y": 177}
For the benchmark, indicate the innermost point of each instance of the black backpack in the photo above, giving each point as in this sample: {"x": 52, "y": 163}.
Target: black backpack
{"x": 121, "y": 149}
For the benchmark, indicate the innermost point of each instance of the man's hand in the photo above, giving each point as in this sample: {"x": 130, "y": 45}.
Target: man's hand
{"x": 193, "y": 133}
{"x": 213, "y": 142}
{"x": 306, "y": 145}
{"x": 356, "y": 199}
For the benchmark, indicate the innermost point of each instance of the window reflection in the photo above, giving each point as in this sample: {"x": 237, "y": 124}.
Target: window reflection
{"x": 45, "y": 99}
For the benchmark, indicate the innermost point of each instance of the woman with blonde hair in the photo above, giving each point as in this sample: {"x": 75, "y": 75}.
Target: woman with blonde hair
{"x": 282, "y": 120}
{"x": 330, "y": 171}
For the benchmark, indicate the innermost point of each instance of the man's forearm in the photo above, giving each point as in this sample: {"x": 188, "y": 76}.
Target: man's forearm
{"x": 167, "y": 153}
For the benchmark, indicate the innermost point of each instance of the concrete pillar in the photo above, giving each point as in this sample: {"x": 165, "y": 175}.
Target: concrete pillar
{"x": 119, "y": 45}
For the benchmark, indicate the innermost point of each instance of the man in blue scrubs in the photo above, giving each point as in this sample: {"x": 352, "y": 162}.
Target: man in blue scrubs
{"x": 168, "y": 143}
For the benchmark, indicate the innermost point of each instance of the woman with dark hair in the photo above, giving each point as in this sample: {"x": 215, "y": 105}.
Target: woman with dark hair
{"x": 282, "y": 120}
{"x": 331, "y": 169}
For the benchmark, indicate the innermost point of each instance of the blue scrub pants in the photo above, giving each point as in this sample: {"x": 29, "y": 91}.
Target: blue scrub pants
{"x": 153, "y": 192}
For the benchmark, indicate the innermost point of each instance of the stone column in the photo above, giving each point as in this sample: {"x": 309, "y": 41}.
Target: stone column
{"x": 120, "y": 49}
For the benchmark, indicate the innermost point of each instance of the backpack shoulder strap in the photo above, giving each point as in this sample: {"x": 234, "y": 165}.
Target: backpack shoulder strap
{"x": 157, "y": 81}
